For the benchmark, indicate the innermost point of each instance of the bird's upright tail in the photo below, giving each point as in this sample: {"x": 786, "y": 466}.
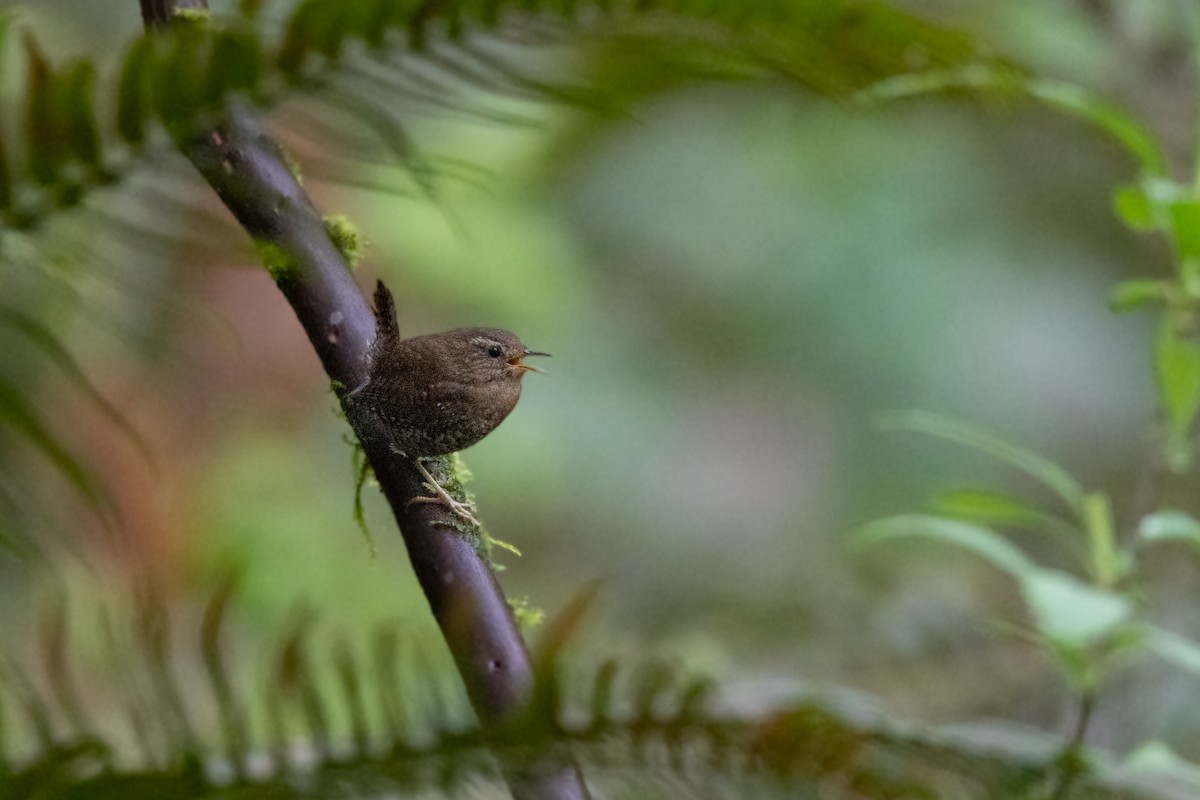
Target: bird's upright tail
{"x": 387, "y": 331}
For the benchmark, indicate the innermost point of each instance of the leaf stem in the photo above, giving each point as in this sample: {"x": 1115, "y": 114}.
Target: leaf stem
{"x": 1071, "y": 763}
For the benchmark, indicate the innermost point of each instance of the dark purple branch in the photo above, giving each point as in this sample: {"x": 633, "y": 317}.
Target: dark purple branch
{"x": 248, "y": 172}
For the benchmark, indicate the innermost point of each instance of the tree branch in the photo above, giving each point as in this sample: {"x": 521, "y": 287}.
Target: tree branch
{"x": 248, "y": 172}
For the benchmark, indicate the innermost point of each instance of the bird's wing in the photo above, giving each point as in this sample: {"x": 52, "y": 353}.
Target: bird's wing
{"x": 447, "y": 391}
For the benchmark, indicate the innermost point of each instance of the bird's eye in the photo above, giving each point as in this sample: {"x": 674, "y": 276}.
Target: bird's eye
{"x": 495, "y": 351}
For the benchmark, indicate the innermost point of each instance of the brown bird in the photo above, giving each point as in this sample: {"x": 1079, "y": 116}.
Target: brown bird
{"x": 433, "y": 395}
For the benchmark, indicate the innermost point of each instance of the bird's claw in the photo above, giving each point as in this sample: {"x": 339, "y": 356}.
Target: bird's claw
{"x": 442, "y": 497}
{"x": 453, "y": 506}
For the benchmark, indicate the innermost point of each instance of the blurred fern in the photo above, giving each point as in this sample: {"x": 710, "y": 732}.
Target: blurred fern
{"x": 427, "y": 52}
{"x": 339, "y": 718}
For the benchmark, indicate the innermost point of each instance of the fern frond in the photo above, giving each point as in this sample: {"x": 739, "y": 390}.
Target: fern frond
{"x": 178, "y": 80}
{"x": 648, "y": 730}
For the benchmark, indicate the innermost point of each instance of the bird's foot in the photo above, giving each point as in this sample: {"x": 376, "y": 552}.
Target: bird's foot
{"x": 442, "y": 497}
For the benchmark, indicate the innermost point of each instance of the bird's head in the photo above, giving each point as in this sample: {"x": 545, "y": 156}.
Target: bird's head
{"x": 490, "y": 354}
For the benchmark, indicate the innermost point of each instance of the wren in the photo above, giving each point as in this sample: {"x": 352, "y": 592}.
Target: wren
{"x": 433, "y": 395}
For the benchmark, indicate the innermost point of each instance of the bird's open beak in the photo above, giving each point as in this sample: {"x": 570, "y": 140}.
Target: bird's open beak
{"x": 516, "y": 362}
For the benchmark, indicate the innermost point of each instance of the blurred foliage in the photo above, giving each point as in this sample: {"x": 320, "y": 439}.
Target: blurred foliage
{"x": 333, "y": 717}
{"x": 733, "y": 277}
{"x": 348, "y": 60}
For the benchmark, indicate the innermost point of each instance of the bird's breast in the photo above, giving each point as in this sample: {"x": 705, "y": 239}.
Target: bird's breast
{"x": 431, "y": 419}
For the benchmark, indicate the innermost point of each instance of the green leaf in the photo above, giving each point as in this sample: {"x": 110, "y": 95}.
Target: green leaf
{"x": 250, "y": 8}
{"x": 1134, "y": 208}
{"x": 1067, "y": 612}
{"x": 1174, "y": 649}
{"x": 329, "y": 33}
{"x": 603, "y": 692}
{"x": 6, "y": 18}
{"x": 1071, "y": 613}
{"x": 6, "y": 191}
{"x": 997, "y": 508}
{"x": 1129, "y": 295}
{"x": 987, "y": 506}
{"x": 303, "y": 25}
{"x": 1034, "y": 465}
{"x": 1171, "y": 526}
{"x": 1105, "y": 562}
{"x": 75, "y": 100}
{"x": 42, "y": 140}
{"x": 133, "y": 93}
{"x": 236, "y": 65}
{"x": 1185, "y": 226}
{"x": 178, "y": 78}
{"x": 1159, "y": 758}
{"x": 1177, "y": 369}
{"x": 378, "y": 17}
{"x": 978, "y": 539}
